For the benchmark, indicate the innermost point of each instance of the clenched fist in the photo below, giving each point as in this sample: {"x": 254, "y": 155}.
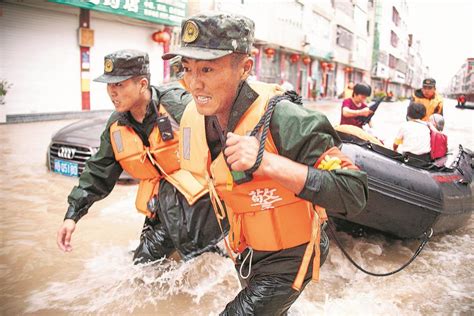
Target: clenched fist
{"x": 241, "y": 152}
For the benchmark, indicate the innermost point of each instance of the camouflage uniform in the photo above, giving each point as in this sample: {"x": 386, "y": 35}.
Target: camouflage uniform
{"x": 189, "y": 230}
{"x": 268, "y": 289}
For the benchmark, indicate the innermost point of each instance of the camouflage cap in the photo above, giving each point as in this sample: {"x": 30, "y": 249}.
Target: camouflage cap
{"x": 214, "y": 35}
{"x": 124, "y": 64}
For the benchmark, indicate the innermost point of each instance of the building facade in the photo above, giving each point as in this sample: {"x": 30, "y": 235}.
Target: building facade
{"x": 390, "y": 50}
{"x": 317, "y": 46}
{"x": 462, "y": 82}
{"x": 353, "y": 27}
{"x": 51, "y": 50}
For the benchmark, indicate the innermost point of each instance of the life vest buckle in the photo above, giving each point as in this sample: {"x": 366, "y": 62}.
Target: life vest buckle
{"x": 241, "y": 177}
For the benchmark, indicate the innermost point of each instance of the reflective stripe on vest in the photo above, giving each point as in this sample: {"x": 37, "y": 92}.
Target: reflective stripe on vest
{"x": 151, "y": 163}
{"x": 136, "y": 158}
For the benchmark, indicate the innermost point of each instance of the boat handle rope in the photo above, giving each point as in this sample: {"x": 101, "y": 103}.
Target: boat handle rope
{"x": 426, "y": 237}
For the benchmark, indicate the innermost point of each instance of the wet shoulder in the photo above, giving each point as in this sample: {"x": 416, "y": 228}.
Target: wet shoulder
{"x": 114, "y": 117}
{"x": 174, "y": 98}
{"x": 293, "y": 116}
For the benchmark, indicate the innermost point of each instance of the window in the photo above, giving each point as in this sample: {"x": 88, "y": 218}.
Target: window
{"x": 344, "y": 37}
{"x": 346, "y": 7}
{"x": 392, "y": 61}
{"x": 393, "y": 39}
{"x": 395, "y": 16}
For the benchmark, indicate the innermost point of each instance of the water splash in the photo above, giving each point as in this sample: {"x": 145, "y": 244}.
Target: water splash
{"x": 109, "y": 283}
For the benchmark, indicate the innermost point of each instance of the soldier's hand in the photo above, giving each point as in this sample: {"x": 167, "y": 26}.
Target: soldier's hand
{"x": 241, "y": 151}
{"x": 63, "y": 238}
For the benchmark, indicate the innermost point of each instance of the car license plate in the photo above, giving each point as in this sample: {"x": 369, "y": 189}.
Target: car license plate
{"x": 66, "y": 168}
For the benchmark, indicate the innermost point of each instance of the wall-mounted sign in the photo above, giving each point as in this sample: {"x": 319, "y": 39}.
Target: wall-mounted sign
{"x": 86, "y": 37}
{"x": 168, "y": 12}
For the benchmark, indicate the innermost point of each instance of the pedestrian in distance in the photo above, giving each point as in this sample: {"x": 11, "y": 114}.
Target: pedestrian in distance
{"x": 141, "y": 137}
{"x": 430, "y": 99}
{"x": 271, "y": 165}
{"x": 349, "y": 90}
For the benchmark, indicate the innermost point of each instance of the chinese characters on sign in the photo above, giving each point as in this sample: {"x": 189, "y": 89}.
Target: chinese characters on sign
{"x": 168, "y": 12}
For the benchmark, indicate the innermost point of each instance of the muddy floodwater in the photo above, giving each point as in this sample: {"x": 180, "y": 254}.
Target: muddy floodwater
{"x": 97, "y": 277}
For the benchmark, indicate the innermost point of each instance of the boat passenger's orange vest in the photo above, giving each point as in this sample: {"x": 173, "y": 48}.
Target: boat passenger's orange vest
{"x": 434, "y": 105}
{"x": 150, "y": 164}
{"x": 263, "y": 214}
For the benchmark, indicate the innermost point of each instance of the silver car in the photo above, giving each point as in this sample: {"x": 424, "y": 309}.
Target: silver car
{"x": 73, "y": 144}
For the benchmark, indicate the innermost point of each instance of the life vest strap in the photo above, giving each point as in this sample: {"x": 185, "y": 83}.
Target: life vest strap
{"x": 313, "y": 246}
{"x": 220, "y": 214}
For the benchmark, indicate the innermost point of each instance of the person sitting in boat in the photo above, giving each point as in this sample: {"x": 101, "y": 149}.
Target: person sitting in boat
{"x": 439, "y": 140}
{"x": 355, "y": 107}
{"x": 461, "y": 100}
{"x": 413, "y": 138}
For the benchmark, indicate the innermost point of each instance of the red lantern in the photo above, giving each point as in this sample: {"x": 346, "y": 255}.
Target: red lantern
{"x": 269, "y": 52}
{"x": 330, "y": 67}
{"x": 255, "y": 51}
{"x": 161, "y": 37}
{"x": 324, "y": 65}
{"x": 294, "y": 58}
{"x": 306, "y": 60}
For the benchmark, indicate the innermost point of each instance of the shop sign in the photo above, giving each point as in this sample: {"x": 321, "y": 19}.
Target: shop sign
{"x": 381, "y": 71}
{"x": 399, "y": 77}
{"x": 168, "y": 12}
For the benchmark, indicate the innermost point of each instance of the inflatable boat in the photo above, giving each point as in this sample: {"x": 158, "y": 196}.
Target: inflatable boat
{"x": 469, "y": 106}
{"x": 408, "y": 196}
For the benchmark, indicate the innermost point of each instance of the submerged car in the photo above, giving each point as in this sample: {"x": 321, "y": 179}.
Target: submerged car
{"x": 73, "y": 144}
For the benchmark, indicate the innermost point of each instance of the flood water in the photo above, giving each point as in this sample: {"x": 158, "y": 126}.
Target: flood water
{"x": 97, "y": 277}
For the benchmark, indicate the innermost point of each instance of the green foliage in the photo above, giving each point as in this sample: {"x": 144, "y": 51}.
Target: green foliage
{"x": 4, "y": 86}
{"x": 380, "y": 94}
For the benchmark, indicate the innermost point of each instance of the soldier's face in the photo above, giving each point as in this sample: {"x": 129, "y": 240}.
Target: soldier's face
{"x": 213, "y": 83}
{"x": 125, "y": 94}
{"x": 428, "y": 92}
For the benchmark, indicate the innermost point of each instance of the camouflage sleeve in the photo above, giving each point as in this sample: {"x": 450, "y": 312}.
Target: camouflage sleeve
{"x": 303, "y": 135}
{"x": 97, "y": 180}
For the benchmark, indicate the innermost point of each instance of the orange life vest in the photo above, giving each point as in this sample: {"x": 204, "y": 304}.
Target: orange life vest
{"x": 263, "y": 215}
{"x": 150, "y": 163}
{"x": 434, "y": 105}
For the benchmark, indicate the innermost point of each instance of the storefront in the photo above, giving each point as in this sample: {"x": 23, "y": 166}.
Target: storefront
{"x": 291, "y": 70}
{"x": 48, "y": 69}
